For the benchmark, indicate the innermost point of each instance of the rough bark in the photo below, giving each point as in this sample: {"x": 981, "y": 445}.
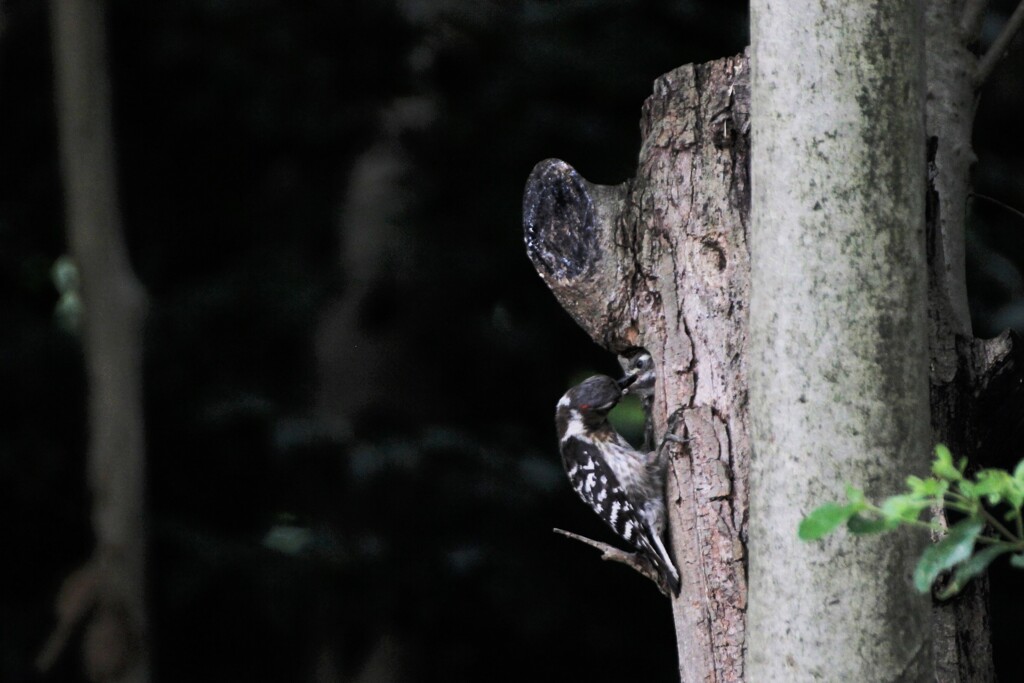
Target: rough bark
{"x": 636, "y": 264}
{"x": 839, "y": 383}
{"x": 950, "y": 109}
{"x": 976, "y": 413}
{"x": 661, "y": 262}
{"x": 110, "y": 587}
{"x": 961, "y": 368}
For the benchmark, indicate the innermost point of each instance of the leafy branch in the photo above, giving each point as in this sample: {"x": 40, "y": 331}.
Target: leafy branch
{"x": 968, "y": 547}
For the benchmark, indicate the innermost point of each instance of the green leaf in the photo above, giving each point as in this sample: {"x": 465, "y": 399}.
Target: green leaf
{"x": 854, "y": 495}
{"x": 904, "y": 508}
{"x": 861, "y": 525}
{"x": 950, "y": 551}
{"x": 929, "y": 487}
{"x": 943, "y": 466}
{"x": 1017, "y": 561}
{"x": 995, "y": 485}
{"x": 1017, "y": 500}
{"x": 969, "y": 489}
{"x": 64, "y": 274}
{"x": 972, "y": 567}
{"x": 824, "y": 520}
{"x": 1018, "y": 472}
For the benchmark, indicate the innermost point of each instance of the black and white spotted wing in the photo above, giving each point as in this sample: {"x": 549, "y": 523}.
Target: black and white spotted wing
{"x": 597, "y": 485}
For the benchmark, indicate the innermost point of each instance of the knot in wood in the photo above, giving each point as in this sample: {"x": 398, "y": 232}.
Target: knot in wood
{"x": 559, "y": 221}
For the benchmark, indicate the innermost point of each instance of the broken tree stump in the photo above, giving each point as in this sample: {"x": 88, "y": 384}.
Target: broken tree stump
{"x": 661, "y": 262}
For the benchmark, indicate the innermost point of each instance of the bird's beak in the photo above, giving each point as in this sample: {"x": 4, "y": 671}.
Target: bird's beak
{"x": 625, "y": 382}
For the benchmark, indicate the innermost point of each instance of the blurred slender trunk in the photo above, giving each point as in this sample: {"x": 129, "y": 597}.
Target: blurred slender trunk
{"x": 367, "y": 357}
{"x": 109, "y": 590}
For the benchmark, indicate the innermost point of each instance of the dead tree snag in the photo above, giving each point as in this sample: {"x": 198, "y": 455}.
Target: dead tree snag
{"x": 661, "y": 261}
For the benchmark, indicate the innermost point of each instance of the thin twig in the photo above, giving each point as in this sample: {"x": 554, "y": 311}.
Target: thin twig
{"x": 998, "y": 526}
{"x": 999, "y": 46}
{"x": 612, "y": 554}
{"x": 998, "y": 203}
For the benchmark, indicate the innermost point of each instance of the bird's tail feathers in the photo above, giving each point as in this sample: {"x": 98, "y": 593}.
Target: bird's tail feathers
{"x": 663, "y": 561}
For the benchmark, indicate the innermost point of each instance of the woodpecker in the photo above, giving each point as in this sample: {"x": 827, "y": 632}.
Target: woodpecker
{"x": 624, "y": 486}
{"x": 638, "y": 364}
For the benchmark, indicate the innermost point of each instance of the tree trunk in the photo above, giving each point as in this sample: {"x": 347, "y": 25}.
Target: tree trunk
{"x": 661, "y": 262}
{"x": 839, "y": 382}
{"x": 110, "y": 587}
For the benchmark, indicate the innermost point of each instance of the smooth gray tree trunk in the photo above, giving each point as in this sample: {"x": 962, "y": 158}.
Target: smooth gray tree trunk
{"x": 838, "y": 328}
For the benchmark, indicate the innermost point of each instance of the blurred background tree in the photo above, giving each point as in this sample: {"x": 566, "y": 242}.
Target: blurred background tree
{"x": 351, "y": 367}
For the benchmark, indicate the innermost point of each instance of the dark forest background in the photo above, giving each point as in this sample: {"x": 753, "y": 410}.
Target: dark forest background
{"x": 351, "y": 367}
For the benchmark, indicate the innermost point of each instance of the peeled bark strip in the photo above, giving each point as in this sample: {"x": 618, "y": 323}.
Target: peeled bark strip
{"x": 661, "y": 261}
{"x": 114, "y": 307}
{"x": 950, "y": 105}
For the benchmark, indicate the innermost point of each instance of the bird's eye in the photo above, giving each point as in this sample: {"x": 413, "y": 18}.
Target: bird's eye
{"x": 639, "y": 364}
